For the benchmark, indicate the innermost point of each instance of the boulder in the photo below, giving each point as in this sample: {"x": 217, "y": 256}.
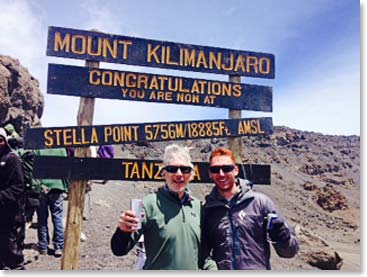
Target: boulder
{"x": 21, "y": 101}
{"x": 317, "y": 252}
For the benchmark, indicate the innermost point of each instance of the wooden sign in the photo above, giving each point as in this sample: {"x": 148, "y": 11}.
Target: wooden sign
{"x": 96, "y": 46}
{"x": 78, "y": 136}
{"x": 123, "y": 85}
{"x": 128, "y": 170}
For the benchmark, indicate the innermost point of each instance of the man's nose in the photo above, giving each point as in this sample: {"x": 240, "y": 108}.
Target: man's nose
{"x": 179, "y": 172}
{"x": 221, "y": 172}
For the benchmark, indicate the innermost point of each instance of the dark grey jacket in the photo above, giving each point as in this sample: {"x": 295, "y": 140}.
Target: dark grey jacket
{"x": 234, "y": 232}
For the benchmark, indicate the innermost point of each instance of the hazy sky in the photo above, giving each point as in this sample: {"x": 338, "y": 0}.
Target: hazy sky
{"x": 316, "y": 44}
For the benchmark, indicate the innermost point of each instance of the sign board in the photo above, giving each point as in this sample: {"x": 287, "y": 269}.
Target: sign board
{"x": 123, "y": 85}
{"x": 96, "y": 46}
{"x": 78, "y": 136}
{"x": 128, "y": 170}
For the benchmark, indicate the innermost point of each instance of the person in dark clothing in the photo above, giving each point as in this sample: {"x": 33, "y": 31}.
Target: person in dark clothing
{"x": 12, "y": 202}
{"x": 239, "y": 223}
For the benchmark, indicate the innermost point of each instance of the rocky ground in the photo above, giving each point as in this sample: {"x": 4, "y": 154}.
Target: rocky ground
{"x": 315, "y": 182}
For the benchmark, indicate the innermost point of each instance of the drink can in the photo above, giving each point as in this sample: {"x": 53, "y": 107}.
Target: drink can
{"x": 137, "y": 207}
{"x": 271, "y": 217}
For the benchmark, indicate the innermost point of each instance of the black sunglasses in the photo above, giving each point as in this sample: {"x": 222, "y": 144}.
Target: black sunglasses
{"x": 224, "y": 168}
{"x": 174, "y": 169}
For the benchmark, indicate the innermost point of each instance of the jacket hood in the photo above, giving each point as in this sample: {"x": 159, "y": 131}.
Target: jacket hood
{"x": 5, "y": 136}
{"x": 214, "y": 199}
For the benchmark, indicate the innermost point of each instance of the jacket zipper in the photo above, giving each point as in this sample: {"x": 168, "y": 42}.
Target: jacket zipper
{"x": 233, "y": 241}
{"x": 183, "y": 213}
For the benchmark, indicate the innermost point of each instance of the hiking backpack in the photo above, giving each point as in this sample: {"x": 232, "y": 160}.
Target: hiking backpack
{"x": 32, "y": 186}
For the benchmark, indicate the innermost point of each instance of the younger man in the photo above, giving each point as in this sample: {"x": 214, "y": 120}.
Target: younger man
{"x": 236, "y": 229}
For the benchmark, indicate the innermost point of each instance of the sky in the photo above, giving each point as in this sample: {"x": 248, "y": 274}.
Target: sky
{"x": 316, "y": 44}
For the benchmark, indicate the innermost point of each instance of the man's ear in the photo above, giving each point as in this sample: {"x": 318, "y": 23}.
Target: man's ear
{"x": 210, "y": 174}
{"x": 236, "y": 170}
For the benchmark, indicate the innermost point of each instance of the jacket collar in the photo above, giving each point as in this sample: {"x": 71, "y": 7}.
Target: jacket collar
{"x": 244, "y": 192}
{"x": 186, "y": 199}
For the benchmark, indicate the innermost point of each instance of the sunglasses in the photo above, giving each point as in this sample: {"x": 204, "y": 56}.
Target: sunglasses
{"x": 174, "y": 169}
{"x": 224, "y": 168}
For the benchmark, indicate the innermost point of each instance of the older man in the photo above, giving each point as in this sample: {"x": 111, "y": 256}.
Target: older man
{"x": 171, "y": 226}
{"x": 239, "y": 223}
{"x": 12, "y": 201}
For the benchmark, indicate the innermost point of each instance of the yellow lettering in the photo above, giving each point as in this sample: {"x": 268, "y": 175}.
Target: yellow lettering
{"x": 130, "y": 80}
{"x": 189, "y": 58}
{"x": 62, "y": 44}
{"x": 75, "y": 141}
{"x": 252, "y": 62}
{"x": 90, "y": 47}
{"x": 94, "y": 136}
{"x": 147, "y": 171}
{"x": 217, "y": 60}
{"x": 244, "y": 127}
{"x": 148, "y": 132}
{"x": 230, "y": 63}
{"x": 126, "y": 44}
{"x": 107, "y": 133}
{"x": 107, "y": 47}
{"x": 48, "y": 137}
{"x": 188, "y": 98}
{"x": 93, "y": 81}
{"x": 107, "y": 78}
{"x": 58, "y": 136}
{"x": 264, "y": 65}
{"x": 201, "y": 60}
{"x": 127, "y": 168}
{"x": 237, "y": 90}
{"x": 240, "y": 65}
{"x": 195, "y": 87}
{"x": 154, "y": 83}
{"x": 74, "y": 44}
{"x": 168, "y": 57}
{"x": 152, "y": 53}
{"x": 197, "y": 172}
{"x": 83, "y": 135}
{"x": 157, "y": 173}
{"x": 143, "y": 81}
{"x": 209, "y": 99}
{"x": 118, "y": 79}
{"x": 135, "y": 171}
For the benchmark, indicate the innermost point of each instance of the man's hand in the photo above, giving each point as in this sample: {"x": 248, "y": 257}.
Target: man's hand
{"x": 279, "y": 232}
{"x": 128, "y": 222}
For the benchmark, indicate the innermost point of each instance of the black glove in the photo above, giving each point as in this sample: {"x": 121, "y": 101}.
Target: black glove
{"x": 279, "y": 232}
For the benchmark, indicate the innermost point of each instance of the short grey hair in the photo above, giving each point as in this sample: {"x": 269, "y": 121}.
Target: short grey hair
{"x": 174, "y": 150}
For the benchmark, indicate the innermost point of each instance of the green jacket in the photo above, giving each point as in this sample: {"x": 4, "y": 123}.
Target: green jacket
{"x": 53, "y": 183}
{"x": 172, "y": 234}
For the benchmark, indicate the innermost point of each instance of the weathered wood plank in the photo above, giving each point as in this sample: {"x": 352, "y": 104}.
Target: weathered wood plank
{"x": 95, "y": 46}
{"x": 135, "y": 86}
{"x": 53, "y": 137}
{"x": 129, "y": 170}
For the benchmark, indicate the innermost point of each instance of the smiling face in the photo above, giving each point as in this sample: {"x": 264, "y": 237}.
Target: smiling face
{"x": 177, "y": 181}
{"x": 223, "y": 172}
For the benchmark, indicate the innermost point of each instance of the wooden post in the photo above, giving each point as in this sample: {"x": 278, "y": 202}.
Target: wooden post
{"x": 70, "y": 257}
{"x": 235, "y": 143}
